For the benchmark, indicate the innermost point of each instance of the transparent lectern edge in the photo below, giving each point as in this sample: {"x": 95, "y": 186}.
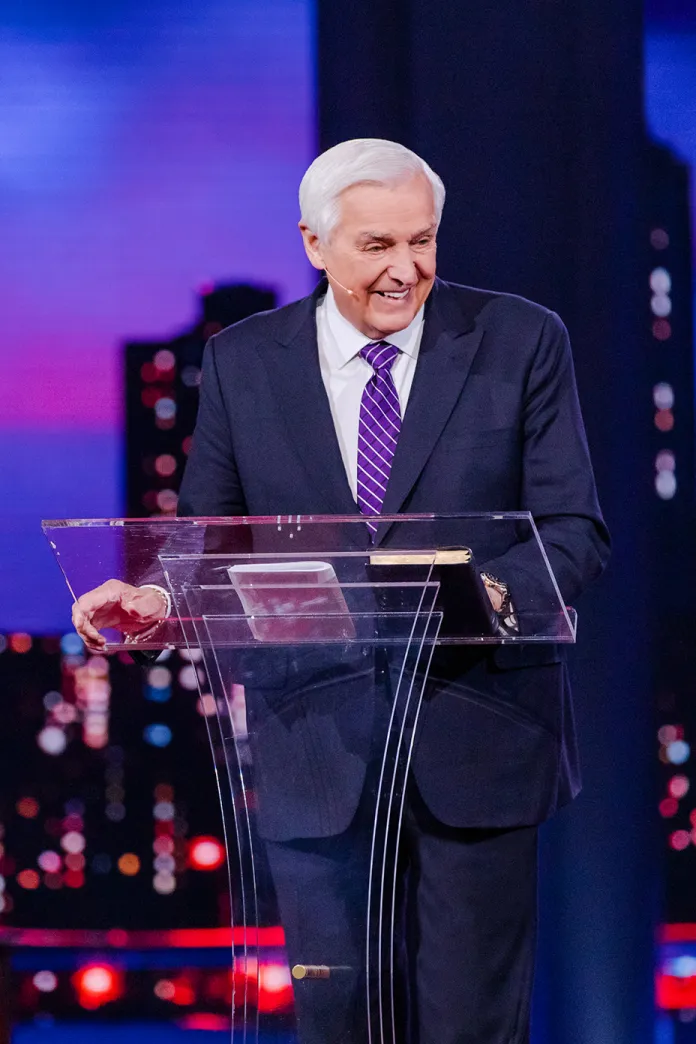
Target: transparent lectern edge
{"x": 572, "y": 625}
{"x": 417, "y": 585}
{"x": 237, "y": 520}
{"x": 407, "y": 614}
{"x": 112, "y": 647}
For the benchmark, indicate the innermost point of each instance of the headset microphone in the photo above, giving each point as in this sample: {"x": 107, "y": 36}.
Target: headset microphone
{"x": 334, "y": 280}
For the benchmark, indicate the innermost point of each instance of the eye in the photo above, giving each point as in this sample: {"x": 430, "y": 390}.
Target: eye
{"x": 375, "y": 248}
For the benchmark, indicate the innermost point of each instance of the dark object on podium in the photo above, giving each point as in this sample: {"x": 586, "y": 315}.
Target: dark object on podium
{"x": 462, "y": 598}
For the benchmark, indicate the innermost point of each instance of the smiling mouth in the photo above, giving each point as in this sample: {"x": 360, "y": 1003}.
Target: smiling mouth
{"x": 394, "y": 295}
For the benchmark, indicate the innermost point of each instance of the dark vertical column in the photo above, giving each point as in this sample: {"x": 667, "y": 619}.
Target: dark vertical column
{"x": 364, "y": 70}
{"x": 532, "y": 114}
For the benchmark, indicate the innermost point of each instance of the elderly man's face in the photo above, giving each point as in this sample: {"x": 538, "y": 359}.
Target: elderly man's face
{"x": 383, "y": 249}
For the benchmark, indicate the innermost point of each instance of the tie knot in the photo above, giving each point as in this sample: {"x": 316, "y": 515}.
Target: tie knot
{"x": 380, "y": 354}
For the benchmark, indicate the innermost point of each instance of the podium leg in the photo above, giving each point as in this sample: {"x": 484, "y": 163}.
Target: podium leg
{"x": 311, "y": 770}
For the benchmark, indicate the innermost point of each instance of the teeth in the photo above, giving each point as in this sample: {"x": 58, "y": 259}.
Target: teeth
{"x": 395, "y": 295}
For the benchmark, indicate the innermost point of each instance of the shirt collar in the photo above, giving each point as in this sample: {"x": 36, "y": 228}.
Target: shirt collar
{"x": 349, "y": 340}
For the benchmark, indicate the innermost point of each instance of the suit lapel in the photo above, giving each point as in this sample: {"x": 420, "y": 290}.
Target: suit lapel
{"x": 449, "y": 345}
{"x": 295, "y": 376}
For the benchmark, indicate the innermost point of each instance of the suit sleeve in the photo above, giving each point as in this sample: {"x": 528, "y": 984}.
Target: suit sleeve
{"x": 211, "y": 485}
{"x": 558, "y": 485}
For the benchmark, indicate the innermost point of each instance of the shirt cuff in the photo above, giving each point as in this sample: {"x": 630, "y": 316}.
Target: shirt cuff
{"x": 165, "y": 594}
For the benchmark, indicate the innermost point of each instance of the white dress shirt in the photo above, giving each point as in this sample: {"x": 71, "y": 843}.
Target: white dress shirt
{"x": 345, "y": 373}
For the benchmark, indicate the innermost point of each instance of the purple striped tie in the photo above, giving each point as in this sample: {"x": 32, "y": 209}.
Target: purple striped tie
{"x": 378, "y": 430}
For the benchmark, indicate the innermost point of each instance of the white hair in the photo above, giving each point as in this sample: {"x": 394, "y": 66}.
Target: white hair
{"x": 355, "y": 162}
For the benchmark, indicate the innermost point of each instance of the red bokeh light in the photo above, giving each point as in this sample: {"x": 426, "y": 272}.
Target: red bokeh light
{"x": 664, "y": 420}
{"x": 266, "y": 986}
{"x": 680, "y": 840}
{"x": 151, "y": 396}
{"x": 275, "y": 988}
{"x": 97, "y": 984}
{"x": 205, "y": 853}
{"x": 165, "y": 464}
{"x": 661, "y": 329}
{"x": 678, "y": 786}
{"x": 28, "y": 807}
{"x": 149, "y": 372}
{"x": 74, "y": 879}
{"x": 179, "y": 991}
{"x": 28, "y": 879}
{"x": 674, "y": 993}
{"x": 117, "y": 937}
{"x": 20, "y": 643}
{"x": 203, "y": 1020}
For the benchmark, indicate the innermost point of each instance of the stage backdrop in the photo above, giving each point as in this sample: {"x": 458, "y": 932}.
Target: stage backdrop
{"x": 670, "y": 79}
{"x": 146, "y": 149}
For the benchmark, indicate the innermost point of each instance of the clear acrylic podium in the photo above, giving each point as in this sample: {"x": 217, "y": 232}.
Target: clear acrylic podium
{"x": 331, "y": 633}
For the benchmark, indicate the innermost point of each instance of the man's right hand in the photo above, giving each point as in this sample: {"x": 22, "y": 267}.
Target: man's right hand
{"x": 131, "y": 610}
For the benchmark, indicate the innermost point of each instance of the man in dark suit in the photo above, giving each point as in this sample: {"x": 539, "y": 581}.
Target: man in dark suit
{"x": 475, "y": 409}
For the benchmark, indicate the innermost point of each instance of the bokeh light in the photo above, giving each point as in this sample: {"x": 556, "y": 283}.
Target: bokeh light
{"x": 680, "y": 840}
{"x": 663, "y": 396}
{"x": 660, "y": 281}
{"x": 73, "y": 841}
{"x": 678, "y": 752}
{"x": 28, "y": 879}
{"x": 164, "y": 883}
{"x": 157, "y": 735}
{"x": 28, "y": 807}
{"x": 165, "y": 362}
{"x": 52, "y": 740}
{"x": 164, "y": 989}
{"x": 50, "y": 861}
{"x": 71, "y": 644}
{"x": 74, "y": 878}
{"x": 205, "y": 853}
{"x": 129, "y": 864}
{"x": 20, "y": 643}
{"x": 97, "y": 984}
{"x": 679, "y": 786}
{"x": 45, "y": 981}
{"x": 206, "y": 705}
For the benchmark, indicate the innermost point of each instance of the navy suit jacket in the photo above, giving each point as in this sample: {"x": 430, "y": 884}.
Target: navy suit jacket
{"x": 492, "y": 424}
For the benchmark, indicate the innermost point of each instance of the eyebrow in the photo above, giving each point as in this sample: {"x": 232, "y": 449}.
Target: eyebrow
{"x": 383, "y": 237}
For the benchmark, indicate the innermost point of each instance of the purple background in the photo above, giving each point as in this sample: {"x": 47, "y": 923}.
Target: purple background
{"x": 146, "y": 149}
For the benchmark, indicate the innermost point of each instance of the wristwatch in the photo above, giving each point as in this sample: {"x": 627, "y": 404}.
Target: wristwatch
{"x": 506, "y": 614}
{"x": 501, "y": 588}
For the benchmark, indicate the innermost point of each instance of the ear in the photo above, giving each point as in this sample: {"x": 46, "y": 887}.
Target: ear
{"x": 312, "y": 246}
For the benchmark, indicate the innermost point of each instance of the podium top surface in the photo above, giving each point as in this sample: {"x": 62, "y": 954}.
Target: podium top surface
{"x": 245, "y": 573}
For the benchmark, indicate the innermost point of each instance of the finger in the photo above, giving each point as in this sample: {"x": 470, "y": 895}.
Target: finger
{"x": 95, "y": 647}
{"x": 85, "y": 628}
{"x": 91, "y": 637}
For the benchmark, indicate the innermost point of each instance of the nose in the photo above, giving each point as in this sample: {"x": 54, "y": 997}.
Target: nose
{"x": 402, "y": 268}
